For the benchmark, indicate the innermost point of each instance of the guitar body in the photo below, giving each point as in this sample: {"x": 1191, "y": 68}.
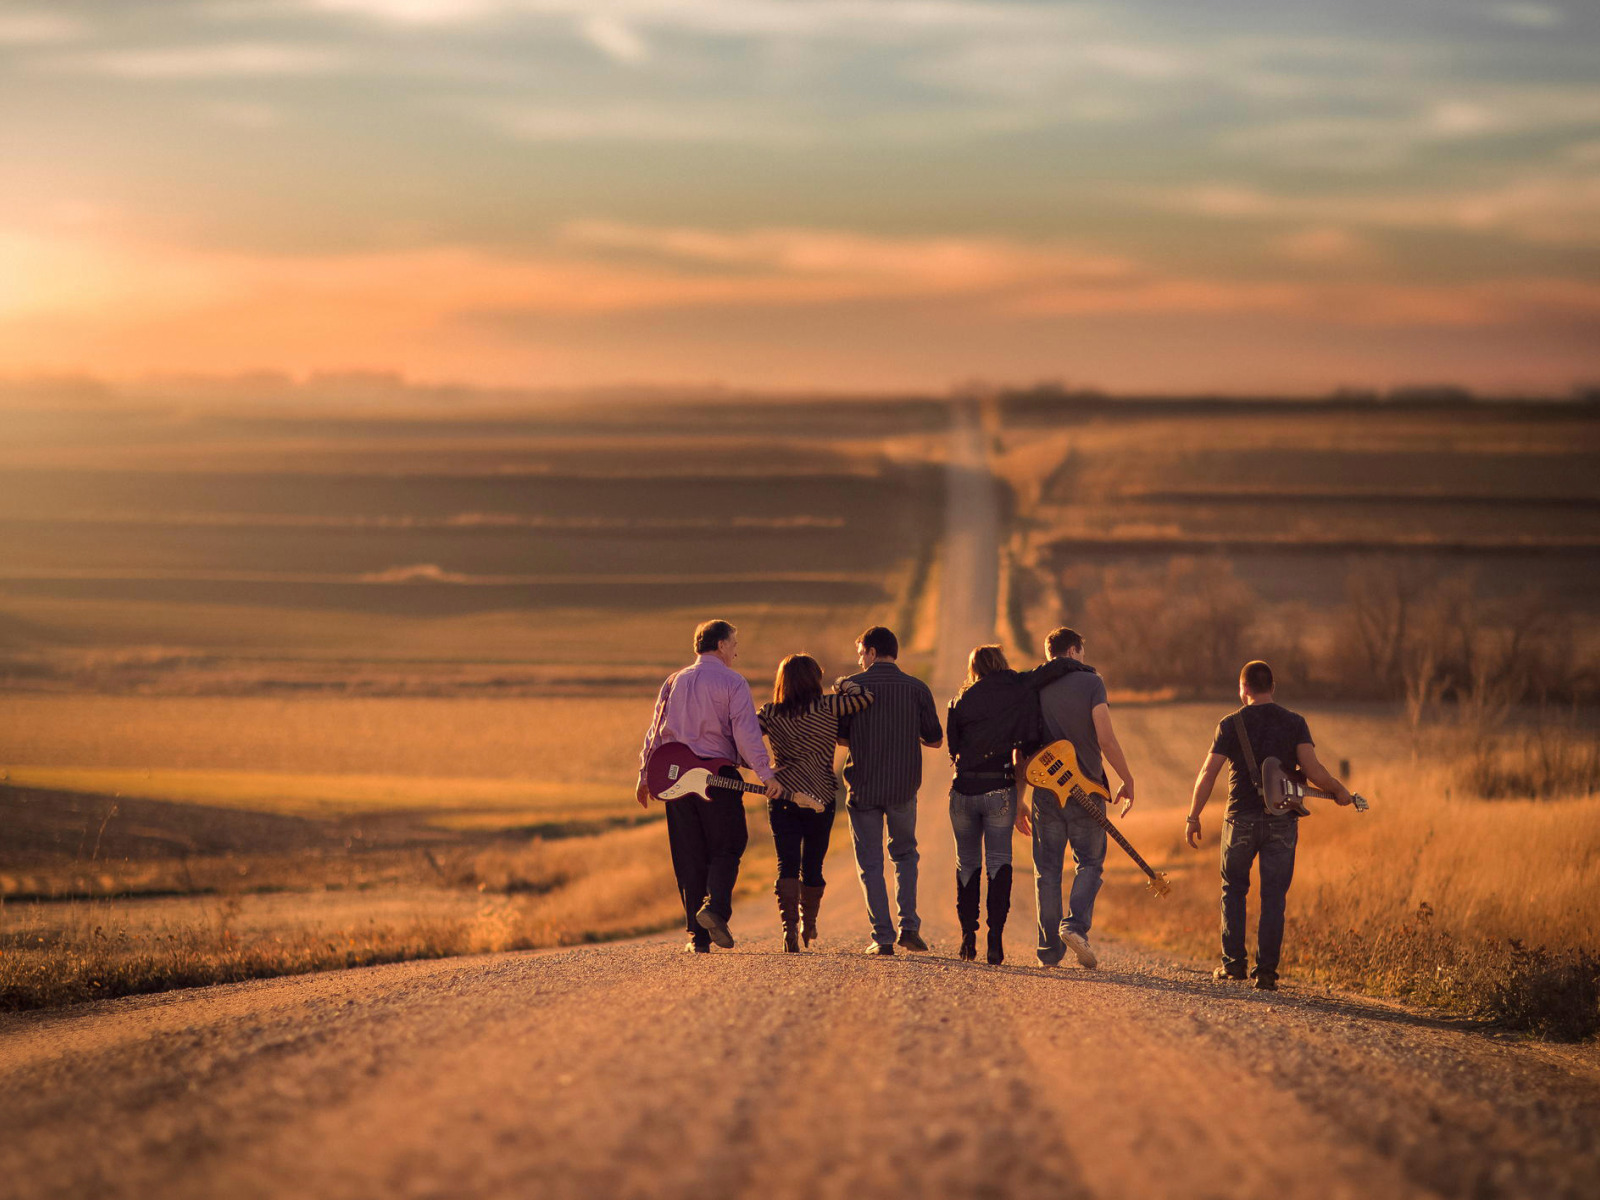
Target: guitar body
{"x": 1055, "y": 769}
{"x": 675, "y": 771}
{"x": 1283, "y": 794}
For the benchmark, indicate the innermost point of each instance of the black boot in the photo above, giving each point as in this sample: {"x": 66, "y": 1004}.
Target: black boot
{"x": 810, "y": 905}
{"x": 967, "y": 914}
{"x": 788, "y": 892}
{"x": 999, "y": 908}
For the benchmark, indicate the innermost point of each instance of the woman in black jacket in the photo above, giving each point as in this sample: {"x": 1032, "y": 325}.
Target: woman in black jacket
{"x": 995, "y": 713}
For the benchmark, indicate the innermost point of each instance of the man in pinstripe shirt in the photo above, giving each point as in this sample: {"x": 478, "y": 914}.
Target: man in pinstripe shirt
{"x": 882, "y": 773}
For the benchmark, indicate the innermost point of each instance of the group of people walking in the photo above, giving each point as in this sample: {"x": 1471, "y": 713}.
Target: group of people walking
{"x": 884, "y": 717}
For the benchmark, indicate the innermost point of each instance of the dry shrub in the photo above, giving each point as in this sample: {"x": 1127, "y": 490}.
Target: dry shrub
{"x": 1416, "y": 633}
{"x": 1183, "y": 627}
{"x": 1553, "y": 759}
{"x": 1552, "y": 993}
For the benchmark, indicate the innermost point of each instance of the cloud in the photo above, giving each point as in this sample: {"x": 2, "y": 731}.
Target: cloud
{"x": 1527, "y": 16}
{"x": 1528, "y": 301}
{"x": 215, "y": 61}
{"x": 243, "y": 114}
{"x": 412, "y": 12}
{"x": 1549, "y": 208}
{"x": 1326, "y": 245}
{"x": 24, "y": 28}
{"x": 68, "y": 296}
{"x": 861, "y": 264}
{"x": 614, "y": 38}
{"x": 1382, "y": 141}
{"x": 629, "y": 123}
{"x": 853, "y": 20}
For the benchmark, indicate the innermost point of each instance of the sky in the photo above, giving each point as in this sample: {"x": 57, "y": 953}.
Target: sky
{"x": 1149, "y": 195}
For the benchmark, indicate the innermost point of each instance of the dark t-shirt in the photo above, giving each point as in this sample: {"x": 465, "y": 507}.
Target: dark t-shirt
{"x": 1068, "y": 711}
{"x": 1274, "y": 732}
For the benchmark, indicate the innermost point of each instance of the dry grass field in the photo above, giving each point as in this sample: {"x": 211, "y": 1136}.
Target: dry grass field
{"x": 166, "y": 550}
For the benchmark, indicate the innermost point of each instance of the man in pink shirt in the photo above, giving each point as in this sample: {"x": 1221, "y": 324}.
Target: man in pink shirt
{"x": 707, "y": 706}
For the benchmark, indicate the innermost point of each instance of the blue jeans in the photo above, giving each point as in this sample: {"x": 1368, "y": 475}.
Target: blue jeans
{"x": 1272, "y": 840}
{"x": 866, "y": 829}
{"x": 1055, "y": 828}
{"x": 983, "y": 825}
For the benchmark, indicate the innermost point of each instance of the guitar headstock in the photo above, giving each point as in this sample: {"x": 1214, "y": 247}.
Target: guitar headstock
{"x": 806, "y": 800}
{"x": 1359, "y": 801}
{"x": 1159, "y": 884}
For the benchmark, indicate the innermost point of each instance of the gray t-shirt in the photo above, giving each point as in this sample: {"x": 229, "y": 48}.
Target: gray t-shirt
{"x": 1067, "y": 706}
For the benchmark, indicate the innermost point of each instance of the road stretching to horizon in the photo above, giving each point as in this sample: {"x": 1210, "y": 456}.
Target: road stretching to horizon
{"x": 634, "y": 1070}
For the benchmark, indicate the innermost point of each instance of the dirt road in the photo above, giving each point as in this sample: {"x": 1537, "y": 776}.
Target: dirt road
{"x": 637, "y": 1070}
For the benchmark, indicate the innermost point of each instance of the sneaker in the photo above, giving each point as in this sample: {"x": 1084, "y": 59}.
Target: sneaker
{"x": 695, "y": 946}
{"x": 1266, "y": 983}
{"x": 880, "y": 948}
{"x": 912, "y": 940}
{"x": 715, "y": 926}
{"x": 1048, "y": 963}
{"x": 1079, "y": 945}
{"x": 1223, "y": 975}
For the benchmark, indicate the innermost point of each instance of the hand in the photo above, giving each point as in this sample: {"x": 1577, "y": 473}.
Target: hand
{"x": 774, "y": 789}
{"x": 1125, "y": 794}
{"x": 1024, "y": 818}
{"x": 1191, "y": 833}
{"x": 642, "y": 794}
{"x": 1343, "y": 797}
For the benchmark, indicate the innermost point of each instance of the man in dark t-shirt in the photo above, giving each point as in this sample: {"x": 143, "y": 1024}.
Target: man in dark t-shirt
{"x": 1249, "y": 832}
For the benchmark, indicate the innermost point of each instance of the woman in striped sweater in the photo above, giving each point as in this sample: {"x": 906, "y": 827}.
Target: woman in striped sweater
{"x": 802, "y": 727}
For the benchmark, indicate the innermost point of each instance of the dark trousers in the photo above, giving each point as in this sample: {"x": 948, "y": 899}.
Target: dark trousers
{"x": 1272, "y": 840}
{"x": 707, "y": 837}
{"x": 801, "y": 837}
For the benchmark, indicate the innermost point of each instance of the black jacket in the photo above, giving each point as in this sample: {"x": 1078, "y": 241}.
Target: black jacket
{"x": 995, "y": 716}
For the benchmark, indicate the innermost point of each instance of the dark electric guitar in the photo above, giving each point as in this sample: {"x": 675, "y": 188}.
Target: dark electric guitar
{"x": 675, "y": 771}
{"x": 1283, "y": 795}
{"x": 1055, "y": 769}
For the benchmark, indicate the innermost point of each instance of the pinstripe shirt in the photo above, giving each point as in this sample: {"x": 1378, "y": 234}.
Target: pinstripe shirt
{"x": 884, "y": 766}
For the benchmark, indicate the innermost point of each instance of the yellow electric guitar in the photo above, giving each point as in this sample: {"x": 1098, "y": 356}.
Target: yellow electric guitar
{"x": 1055, "y": 769}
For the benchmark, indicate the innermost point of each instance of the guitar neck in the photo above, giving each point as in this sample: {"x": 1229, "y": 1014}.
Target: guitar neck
{"x": 735, "y": 785}
{"x": 1089, "y": 806}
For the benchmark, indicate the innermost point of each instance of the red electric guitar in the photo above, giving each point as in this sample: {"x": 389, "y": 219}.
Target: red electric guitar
{"x": 675, "y": 771}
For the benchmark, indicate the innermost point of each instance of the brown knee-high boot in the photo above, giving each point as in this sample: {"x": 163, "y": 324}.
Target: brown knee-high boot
{"x": 810, "y": 903}
{"x": 788, "y": 893}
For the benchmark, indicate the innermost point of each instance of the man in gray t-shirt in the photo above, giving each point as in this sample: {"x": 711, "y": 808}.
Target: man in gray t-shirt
{"x": 1073, "y": 707}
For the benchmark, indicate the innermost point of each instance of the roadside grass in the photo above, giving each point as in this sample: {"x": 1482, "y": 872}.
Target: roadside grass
{"x": 538, "y": 895}
{"x": 1488, "y": 909}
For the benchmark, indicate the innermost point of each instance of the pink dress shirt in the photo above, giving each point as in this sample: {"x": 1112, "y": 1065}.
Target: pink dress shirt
{"x": 708, "y": 707}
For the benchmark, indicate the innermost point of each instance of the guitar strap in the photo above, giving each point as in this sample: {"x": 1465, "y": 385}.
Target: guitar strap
{"x": 1249, "y": 753}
